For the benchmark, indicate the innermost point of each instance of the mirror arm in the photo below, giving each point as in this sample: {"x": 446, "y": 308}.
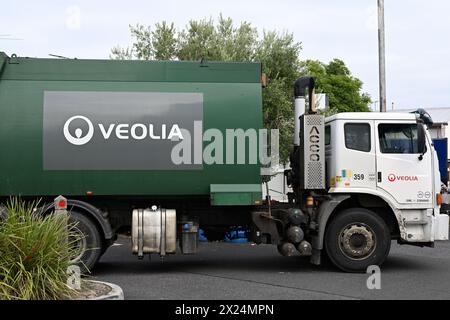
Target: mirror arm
{"x": 423, "y": 139}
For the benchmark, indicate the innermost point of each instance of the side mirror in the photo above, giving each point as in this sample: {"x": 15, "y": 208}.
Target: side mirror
{"x": 421, "y": 140}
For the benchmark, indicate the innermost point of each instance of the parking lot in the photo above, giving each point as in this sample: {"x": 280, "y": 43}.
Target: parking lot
{"x": 246, "y": 271}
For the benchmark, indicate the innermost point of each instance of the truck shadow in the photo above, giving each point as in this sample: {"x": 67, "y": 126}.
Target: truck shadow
{"x": 264, "y": 264}
{"x": 243, "y": 259}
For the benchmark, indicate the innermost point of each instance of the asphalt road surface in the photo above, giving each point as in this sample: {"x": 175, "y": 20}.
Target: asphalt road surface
{"x": 246, "y": 271}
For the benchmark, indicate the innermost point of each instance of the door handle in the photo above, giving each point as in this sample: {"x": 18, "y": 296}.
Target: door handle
{"x": 380, "y": 177}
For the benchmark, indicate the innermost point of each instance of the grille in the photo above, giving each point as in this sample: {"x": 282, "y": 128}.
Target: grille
{"x": 314, "y": 121}
{"x": 313, "y": 156}
{"x": 315, "y": 176}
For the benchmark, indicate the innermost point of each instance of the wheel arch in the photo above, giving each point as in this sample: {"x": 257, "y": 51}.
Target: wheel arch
{"x": 331, "y": 208}
{"x": 92, "y": 212}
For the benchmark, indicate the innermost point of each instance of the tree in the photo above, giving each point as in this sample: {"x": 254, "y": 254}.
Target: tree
{"x": 336, "y": 80}
{"x": 204, "y": 39}
{"x": 160, "y": 44}
{"x": 278, "y": 52}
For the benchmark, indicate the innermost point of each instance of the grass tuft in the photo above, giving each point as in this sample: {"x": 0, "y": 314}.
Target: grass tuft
{"x": 34, "y": 253}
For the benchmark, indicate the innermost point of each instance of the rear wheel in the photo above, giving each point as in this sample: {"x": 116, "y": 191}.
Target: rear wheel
{"x": 87, "y": 241}
{"x": 356, "y": 239}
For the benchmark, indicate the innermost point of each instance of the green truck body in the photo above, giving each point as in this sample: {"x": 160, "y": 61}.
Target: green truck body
{"x": 232, "y": 99}
{"x": 108, "y": 135}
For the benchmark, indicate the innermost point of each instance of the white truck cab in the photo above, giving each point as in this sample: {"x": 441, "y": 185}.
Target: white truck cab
{"x": 380, "y": 156}
{"x": 362, "y": 180}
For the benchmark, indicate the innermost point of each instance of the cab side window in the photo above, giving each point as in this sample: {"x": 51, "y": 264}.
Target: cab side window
{"x": 398, "y": 138}
{"x": 357, "y": 137}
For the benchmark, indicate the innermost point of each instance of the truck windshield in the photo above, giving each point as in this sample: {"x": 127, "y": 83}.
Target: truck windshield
{"x": 398, "y": 138}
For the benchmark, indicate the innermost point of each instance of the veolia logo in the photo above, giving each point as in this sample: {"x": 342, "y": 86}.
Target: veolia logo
{"x": 122, "y": 131}
{"x": 393, "y": 178}
{"x": 78, "y": 140}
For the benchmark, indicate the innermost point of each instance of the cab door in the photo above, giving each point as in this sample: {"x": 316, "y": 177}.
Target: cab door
{"x": 402, "y": 172}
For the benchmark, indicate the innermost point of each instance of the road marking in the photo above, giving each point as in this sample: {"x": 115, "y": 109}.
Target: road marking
{"x": 320, "y": 292}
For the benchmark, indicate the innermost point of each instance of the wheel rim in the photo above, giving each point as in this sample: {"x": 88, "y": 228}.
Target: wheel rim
{"x": 357, "y": 241}
{"x": 79, "y": 245}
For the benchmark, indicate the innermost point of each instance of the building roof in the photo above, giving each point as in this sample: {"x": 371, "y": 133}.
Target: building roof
{"x": 439, "y": 115}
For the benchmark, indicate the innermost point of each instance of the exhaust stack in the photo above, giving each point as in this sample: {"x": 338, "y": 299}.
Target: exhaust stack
{"x": 300, "y": 102}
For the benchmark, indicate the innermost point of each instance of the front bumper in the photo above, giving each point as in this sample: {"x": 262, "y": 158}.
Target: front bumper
{"x": 441, "y": 227}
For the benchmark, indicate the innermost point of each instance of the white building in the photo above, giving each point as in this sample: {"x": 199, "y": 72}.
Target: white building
{"x": 441, "y": 119}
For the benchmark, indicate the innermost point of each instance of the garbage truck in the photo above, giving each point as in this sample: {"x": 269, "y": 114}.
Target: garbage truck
{"x": 154, "y": 149}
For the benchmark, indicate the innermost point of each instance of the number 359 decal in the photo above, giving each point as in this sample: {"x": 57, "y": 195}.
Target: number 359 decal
{"x": 359, "y": 177}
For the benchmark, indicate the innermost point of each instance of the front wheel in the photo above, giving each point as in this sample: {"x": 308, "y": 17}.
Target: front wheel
{"x": 356, "y": 239}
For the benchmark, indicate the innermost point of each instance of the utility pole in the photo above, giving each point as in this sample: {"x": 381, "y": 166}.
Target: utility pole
{"x": 382, "y": 55}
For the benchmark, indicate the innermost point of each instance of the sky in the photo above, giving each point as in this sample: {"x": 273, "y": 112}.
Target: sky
{"x": 417, "y": 34}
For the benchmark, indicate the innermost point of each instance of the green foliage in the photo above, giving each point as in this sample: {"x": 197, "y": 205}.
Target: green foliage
{"x": 164, "y": 43}
{"x": 278, "y": 52}
{"x": 335, "y": 79}
{"x": 34, "y": 253}
{"x": 278, "y": 113}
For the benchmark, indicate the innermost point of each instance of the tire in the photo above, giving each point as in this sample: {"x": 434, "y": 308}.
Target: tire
{"x": 356, "y": 239}
{"x": 90, "y": 246}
